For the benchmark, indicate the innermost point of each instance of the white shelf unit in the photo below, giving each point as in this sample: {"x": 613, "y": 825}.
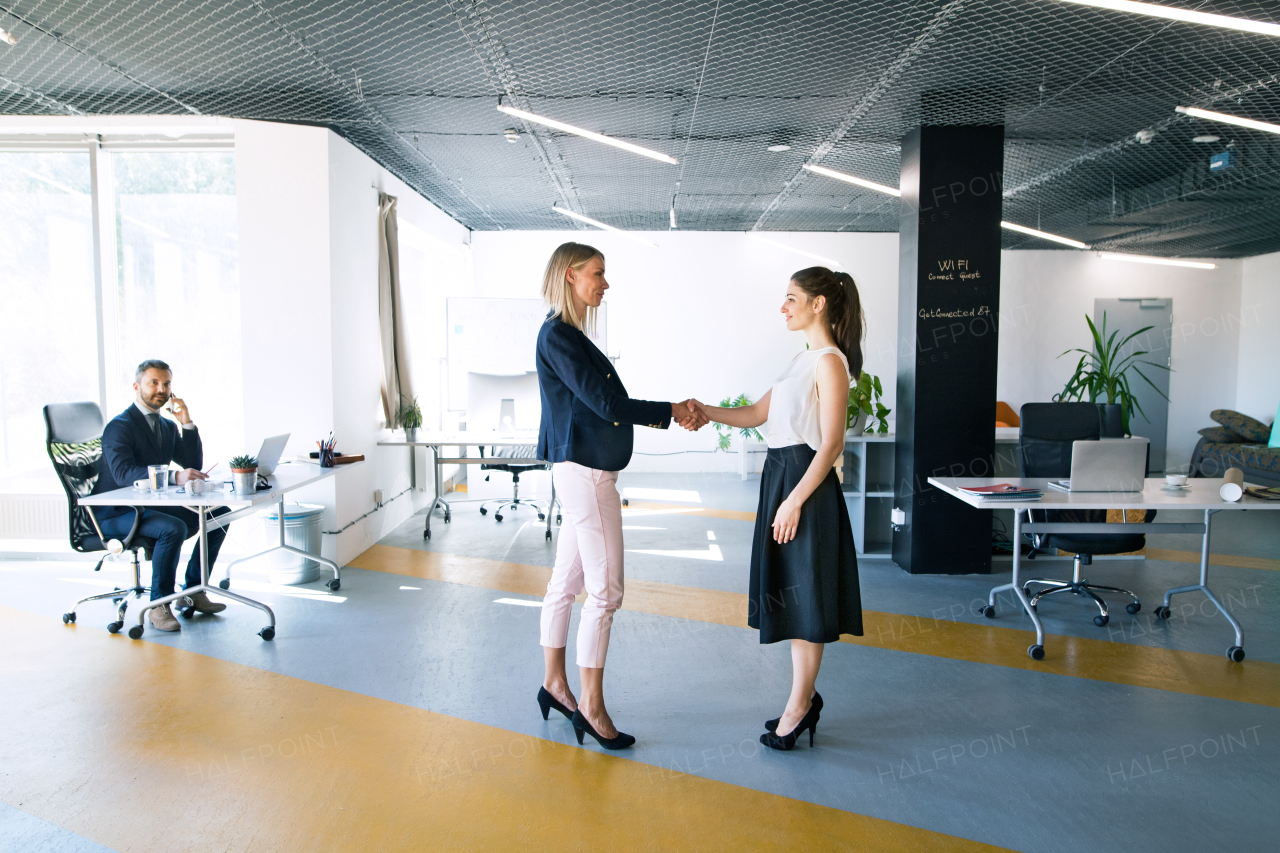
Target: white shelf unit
{"x": 868, "y": 491}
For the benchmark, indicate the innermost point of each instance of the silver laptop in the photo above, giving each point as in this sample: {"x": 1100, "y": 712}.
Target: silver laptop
{"x": 1106, "y": 465}
{"x": 272, "y": 448}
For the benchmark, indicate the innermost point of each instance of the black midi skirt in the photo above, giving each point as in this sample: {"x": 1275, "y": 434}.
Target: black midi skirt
{"x": 806, "y": 589}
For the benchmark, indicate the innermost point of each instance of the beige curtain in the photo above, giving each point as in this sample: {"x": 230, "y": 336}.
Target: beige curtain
{"x": 396, "y": 384}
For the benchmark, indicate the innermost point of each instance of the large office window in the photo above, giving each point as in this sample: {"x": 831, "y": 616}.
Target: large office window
{"x": 178, "y": 296}
{"x": 48, "y": 328}
{"x": 169, "y": 288}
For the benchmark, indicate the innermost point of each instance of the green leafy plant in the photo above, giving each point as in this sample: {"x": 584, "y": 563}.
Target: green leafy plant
{"x": 243, "y": 463}
{"x": 864, "y": 396}
{"x": 410, "y": 414}
{"x": 1103, "y": 372}
{"x": 726, "y": 432}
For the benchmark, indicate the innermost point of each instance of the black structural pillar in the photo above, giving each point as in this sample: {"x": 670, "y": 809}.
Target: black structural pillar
{"x": 948, "y": 298}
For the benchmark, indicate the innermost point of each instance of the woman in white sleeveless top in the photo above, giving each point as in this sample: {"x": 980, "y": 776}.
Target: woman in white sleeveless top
{"x": 804, "y": 571}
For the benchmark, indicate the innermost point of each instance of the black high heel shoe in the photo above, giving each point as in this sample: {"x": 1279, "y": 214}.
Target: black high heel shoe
{"x": 772, "y": 725}
{"x": 788, "y": 741}
{"x": 581, "y": 727}
{"x": 546, "y": 702}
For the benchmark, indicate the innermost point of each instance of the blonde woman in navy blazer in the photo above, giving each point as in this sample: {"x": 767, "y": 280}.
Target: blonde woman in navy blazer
{"x": 586, "y": 433}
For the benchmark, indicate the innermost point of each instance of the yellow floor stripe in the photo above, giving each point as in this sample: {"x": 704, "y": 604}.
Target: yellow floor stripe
{"x": 1256, "y": 682}
{"x": 141, "y": 746}
{"x": 1214, "y": 559}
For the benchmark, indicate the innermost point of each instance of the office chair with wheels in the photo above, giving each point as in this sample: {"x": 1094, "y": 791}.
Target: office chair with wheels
{"x": 73, "y": 438}
{"x": 1044, "y": 443}
{"x": 514, "y": 462}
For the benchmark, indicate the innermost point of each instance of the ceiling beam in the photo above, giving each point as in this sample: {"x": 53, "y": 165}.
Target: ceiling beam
{"x": 1157, "y": 231}
{"x": 886, "y": 80}
{"x": 51, "y": 104}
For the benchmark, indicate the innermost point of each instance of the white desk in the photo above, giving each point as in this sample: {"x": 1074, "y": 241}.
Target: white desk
{"x": 437, "y": 441}
{"x": 1202, "y": 495}
{"x": 287, "y": 477}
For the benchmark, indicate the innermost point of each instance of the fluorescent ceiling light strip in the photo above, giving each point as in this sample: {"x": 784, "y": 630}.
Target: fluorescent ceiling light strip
{"x": 1227, "y": 119}
{"x": 598, "y": 137}
{"x": 850, "y": 179}
{"x": 1022, "y": 229}
{"x": 1171, "y": 14}
{"x": 587, "y": 219}
{"x": 1145, "y": 259}
{"x": 828, "y": 261}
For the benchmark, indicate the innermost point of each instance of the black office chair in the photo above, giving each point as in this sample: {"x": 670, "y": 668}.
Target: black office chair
{"x": 515, "y": 469}
{"x": 1044, "y": 442}
{"x": 73, "y": 437}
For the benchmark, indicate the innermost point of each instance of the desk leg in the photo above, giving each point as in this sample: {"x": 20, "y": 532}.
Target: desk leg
{"x": 267, "y": 633}
{"x": 437, "y": 499}
{"x": 1236, "y": 652}
{"x": 1036, "y": 650}
{"x": 334, "y": 584}
{"x": 413, "y": 468}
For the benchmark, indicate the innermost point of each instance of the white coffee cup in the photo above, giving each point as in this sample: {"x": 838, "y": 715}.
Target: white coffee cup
{"x": 1175, "y": 479}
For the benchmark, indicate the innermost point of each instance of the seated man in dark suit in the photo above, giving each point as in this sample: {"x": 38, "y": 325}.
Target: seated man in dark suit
{"x": 134, "y": 439}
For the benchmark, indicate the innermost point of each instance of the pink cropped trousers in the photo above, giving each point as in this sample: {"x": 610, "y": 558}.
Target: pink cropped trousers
{"x": 588, "y": 557}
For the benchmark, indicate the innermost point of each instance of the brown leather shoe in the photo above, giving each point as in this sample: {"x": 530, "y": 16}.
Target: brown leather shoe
{"x": 200, "y": 601}
{"x": 162, "y": 619}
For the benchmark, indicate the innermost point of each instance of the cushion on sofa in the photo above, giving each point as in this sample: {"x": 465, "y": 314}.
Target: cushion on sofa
{"x": 1222, "y": 435}
{"x": 1251, "y": 428}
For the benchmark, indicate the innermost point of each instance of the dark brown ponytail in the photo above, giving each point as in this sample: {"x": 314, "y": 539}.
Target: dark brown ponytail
{"x": 843, "y": 310}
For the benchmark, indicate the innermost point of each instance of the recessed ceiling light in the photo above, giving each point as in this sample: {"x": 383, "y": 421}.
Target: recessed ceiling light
{"x": 1044, "y": 235}
{"x": 7, "y": 37}
{"x": 1144, "y": 259}
{"x": 511, "y": 134}
{"x": 588, "y": 134}
{"x": 850, "y": 179}
{"x": 779, "y": 148}
{"x": 1186, "y": 15}
{"x": 597, "y": 223}
{"x": 1230, "y": 119}
{"x": 1208, "y": 137}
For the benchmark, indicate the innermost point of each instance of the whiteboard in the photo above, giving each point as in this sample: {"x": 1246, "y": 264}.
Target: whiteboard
{"x": 496, "y": 337}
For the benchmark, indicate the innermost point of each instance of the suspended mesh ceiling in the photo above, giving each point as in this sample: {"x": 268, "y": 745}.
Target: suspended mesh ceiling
{"x": 1095, "y": 150}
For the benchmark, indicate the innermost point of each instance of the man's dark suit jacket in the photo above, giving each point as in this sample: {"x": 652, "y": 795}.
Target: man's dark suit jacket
{"x": 586, "y": 413}
{"x": 129, "y": 446}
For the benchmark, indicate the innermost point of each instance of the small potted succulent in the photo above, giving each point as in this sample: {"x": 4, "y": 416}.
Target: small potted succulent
{"x": 244, "y": 474}
{"x": 410, "y": 417}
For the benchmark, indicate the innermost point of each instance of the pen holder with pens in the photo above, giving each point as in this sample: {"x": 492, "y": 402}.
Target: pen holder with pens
{"x": 326, "y": 454}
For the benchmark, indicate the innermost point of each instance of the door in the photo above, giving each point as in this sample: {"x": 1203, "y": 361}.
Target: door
{"x": 1127, "y": 316}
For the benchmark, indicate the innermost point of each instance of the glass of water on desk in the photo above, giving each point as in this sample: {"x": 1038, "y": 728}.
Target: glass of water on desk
{"x": 158, "y": 477}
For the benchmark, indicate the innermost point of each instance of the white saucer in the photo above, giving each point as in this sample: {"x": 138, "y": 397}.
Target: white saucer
{"x": 1175, "y": 488}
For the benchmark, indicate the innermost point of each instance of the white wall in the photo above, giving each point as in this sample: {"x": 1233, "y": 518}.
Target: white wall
{"x": 1258, "y": 386}
{"x": 309, "y": 265}
{"x": 1044, "y": 296}
{"x": 699, "y": 316}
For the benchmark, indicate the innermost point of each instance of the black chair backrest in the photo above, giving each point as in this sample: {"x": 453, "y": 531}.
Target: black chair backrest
{"x": 73, "y": 433}
{"x": 1046, "y": 434}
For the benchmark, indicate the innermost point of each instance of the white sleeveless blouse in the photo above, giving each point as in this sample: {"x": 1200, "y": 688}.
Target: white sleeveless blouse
{"x": 793, "y": 408}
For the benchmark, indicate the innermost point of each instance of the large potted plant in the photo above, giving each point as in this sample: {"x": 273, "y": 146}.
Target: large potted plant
{"x": 726, "y": 432}
{"x": 864, "y": 403}
{"x": 410, "y": 417}
{"x": 1103, "y": 374}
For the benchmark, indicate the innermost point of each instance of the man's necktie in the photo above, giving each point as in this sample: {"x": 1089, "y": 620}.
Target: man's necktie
{"x": 155, "y": 425}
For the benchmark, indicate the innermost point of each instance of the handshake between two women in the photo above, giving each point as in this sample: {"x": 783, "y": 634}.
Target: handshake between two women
{"x": 689, "y": 414}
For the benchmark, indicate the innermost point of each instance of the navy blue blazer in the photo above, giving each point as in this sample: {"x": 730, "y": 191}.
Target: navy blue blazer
{"x": 129, "y": 446}
{"x": 587, "y": 416}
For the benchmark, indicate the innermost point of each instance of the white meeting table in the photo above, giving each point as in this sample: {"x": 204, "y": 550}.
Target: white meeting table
{"x": 1202, "y": 495}
{"x": 287, "y": 477}
{"x": 437, "y": 441}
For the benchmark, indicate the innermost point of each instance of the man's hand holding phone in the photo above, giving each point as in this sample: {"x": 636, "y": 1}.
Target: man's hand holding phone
{"x": 178, "y": 408}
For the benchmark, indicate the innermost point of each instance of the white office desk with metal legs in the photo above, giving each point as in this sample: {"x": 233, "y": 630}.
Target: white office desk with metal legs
{"x": 287, "y": 477}
{"x": 1201, "y": 494}
{"x": 437, "y": 441}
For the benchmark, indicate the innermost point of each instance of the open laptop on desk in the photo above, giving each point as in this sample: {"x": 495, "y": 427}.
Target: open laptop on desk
{"x": 1106, "y": 465}
{"x": 269, "y": 457}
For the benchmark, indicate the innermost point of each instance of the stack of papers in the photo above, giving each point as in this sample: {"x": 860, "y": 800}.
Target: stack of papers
{"x": 1003, "y": 492}
{"x": 1271, "y": 494}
